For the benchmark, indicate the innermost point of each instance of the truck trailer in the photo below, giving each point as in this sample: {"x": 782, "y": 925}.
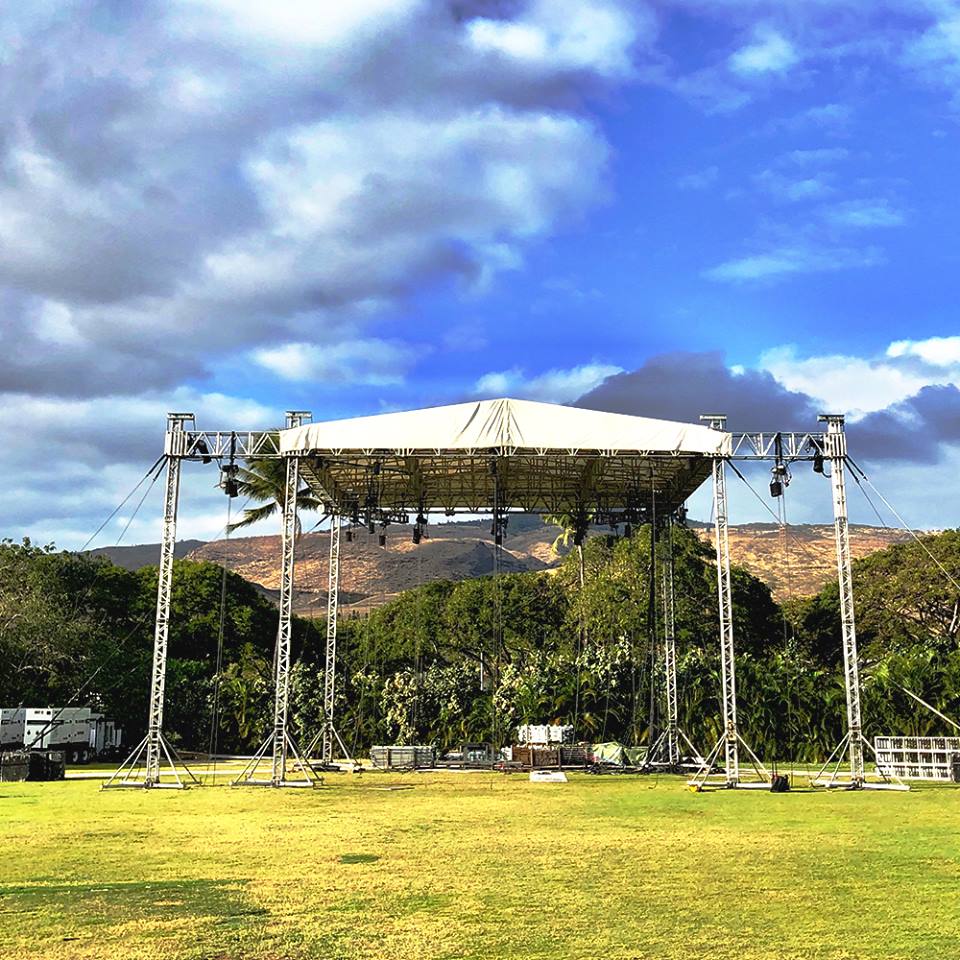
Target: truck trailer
{"x": 80, "y": 733}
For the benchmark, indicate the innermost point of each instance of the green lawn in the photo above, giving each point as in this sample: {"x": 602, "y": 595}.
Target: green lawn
{"x": 477, "y": 866}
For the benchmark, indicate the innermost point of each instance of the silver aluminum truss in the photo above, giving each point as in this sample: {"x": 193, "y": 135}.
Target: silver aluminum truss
{"x": 328, "y": 734}
{"x": 280, "y": 742}
{"x": 665, "y": 752}
{"x": 670, "y": 653}
{"x": 835, "y": 453}
{"x": 143, "y": 767}
{"x": 330, "y": 668}
{"x": 730, "y": 739}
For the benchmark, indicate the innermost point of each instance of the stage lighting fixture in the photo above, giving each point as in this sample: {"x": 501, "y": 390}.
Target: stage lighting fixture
{"x": 818, "y": 462}
{"x": 204, "y": 451}
{"x": 228, "y": 480}
{"x": 779, "y": 479}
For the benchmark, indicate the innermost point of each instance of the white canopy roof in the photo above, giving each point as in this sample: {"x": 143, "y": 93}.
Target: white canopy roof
{"x": 510, "y": 426}
{"x": 538, "y": 457}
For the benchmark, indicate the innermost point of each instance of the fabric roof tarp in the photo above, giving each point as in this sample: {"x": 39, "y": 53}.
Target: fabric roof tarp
{"x": 509, "y": 426}
{"x": 535, "y": 457}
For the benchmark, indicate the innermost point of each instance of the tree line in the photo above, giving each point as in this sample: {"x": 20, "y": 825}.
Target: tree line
{"x": 448, "y": 663}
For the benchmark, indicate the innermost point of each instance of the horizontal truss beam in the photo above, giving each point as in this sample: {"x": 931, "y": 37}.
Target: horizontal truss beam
{"x": 217, "y": 444}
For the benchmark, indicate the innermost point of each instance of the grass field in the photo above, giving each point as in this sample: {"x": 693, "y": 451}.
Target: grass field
{"x": 485, "y": 865}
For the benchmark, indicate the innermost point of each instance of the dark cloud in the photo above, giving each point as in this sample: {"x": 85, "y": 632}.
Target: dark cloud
{"x": 912, "y": 431}
{"x": 682, "y": 386}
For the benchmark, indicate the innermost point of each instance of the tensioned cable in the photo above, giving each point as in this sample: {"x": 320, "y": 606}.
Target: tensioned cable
{"x": 117, "y": 650}
{"x": 866, "y": 496}
{"x": 156, "y": 465}
{"x": 155, "y": 470}
{"x": 52, "y": 721}
{"x": 903, "y": 523}
{"x": 133, "y": 515}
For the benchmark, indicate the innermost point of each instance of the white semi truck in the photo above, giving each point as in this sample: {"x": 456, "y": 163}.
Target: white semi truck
{"x": 81, "y": 733}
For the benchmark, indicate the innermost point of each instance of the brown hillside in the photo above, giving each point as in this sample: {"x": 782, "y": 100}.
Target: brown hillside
{"x": 371, "y": 575}
{"x": 808, "y": 561}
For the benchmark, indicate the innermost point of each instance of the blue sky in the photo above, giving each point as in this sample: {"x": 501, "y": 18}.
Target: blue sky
{"x": 658, "y": 208}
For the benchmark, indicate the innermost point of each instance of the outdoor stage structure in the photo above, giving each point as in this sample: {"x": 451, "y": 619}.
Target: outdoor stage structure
{"x": 497, "y": 457}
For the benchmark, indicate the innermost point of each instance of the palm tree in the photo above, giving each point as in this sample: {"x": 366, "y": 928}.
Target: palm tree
{"x": 263, "y": 479}
{"x": 568, "y": 524}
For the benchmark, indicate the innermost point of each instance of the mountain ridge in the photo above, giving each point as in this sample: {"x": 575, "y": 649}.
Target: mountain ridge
{"x": 371, "y": 575}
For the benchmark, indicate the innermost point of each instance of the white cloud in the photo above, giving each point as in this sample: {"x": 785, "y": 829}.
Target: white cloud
{"x": 785, "y": 261}
{"x": 827, "y": 118}
{"x": 208, "y": 183}
{"x": 93, "y": 452}
{"x": 553, "y": 386}
{"x": 364, "y": 361}
{"x": 298, "y": 22}
{"x": 816, "y": 156}
{"x": 282, "y": 165}
{"x": 865, "y": 214}
{"x": 769, "y": 52}
{"x": 792, "y": 190}
{"x": 936, "y": 351}
{"x": 937, "y": 51}
{"x": 590, "y": 35}
{"x": 860, "y": 385}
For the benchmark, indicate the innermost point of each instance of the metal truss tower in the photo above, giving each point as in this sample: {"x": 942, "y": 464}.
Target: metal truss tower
{"x": 730, "y": 740}
{"x": 280, "y": 743}
{"x": 330, "y": 668}
{"x": 328, "y": 734}
{"x": 143, "y": 767}
{"x": 666, "y": 750}
{"x": 836, "y": 444}
{"x": 835, "y": 453}
{"x": 670, "y": 653}
{"x": 725, "y": 605}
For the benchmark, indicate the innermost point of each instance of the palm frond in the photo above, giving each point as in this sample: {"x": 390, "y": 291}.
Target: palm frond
{"x": 254, "y": 515}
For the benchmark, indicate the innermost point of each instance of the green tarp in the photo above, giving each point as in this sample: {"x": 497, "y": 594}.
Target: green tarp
{"x": 612, "y": 753}
{"x": 617, "y": 755}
